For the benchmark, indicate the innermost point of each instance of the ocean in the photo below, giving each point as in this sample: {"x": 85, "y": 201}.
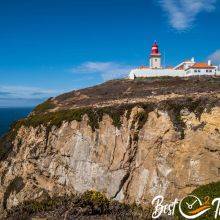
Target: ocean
{"x": 10, "y": 115}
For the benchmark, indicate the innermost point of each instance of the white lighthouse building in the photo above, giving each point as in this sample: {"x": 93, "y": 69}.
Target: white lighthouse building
{"x": 155, "y": 57}
{"x": 184, "y": 69}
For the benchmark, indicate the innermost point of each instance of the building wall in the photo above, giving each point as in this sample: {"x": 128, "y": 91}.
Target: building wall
{"x": 197, "y": 72}
{"x": 168, "y": 72}
{"x": 156, "y": 73}
{"x": 155, "y": 62}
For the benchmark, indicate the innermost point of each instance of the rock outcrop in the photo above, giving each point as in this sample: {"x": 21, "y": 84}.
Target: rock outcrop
{"x": 153, "y": 151}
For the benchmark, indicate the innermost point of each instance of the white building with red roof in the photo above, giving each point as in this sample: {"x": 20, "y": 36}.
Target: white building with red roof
{"x": 202, "y": 69}
{"x": 184, "y": 69}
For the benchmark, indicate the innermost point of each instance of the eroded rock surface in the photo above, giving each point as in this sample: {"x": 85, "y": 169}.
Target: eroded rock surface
{"x": 132, "y": 163}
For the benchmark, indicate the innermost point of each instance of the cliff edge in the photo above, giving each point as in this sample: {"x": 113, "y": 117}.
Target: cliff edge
{"x": 130, "y": 140}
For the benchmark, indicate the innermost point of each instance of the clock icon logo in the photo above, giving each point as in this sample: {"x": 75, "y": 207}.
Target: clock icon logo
{"x": 191, "y": 207}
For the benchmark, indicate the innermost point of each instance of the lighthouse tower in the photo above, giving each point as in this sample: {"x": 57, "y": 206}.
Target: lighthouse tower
{"x": 155, "y": 57}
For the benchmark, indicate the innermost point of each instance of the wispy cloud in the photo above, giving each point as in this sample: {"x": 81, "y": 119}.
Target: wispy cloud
{"x": 23, "y": 96}
{"x": 215, "y": 57}
{"x": 3, "y": 93}
{"x": 107, "y": 70}
{"x": 183, "y": 13}
{"x": 24, "y": 92}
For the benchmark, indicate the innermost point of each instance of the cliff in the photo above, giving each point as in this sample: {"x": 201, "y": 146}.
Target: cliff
{"x": 130, "y": 140}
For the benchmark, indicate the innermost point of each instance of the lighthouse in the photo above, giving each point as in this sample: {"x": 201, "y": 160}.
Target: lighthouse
{"x": 185, "y": 69}
{"x": 155, "y": 57}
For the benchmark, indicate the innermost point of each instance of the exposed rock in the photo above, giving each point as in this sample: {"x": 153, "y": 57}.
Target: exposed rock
{"x": 131, "y": 164}
{"x": 165, "y": 148}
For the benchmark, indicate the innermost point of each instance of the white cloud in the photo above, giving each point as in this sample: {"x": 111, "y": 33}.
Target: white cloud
{"x": 14, "y": 96}
{"x": 25, "y": 92}
{"x": 215, "y": 57}
{"x": 107, "y": 70}
{"x": 182, "y": 13}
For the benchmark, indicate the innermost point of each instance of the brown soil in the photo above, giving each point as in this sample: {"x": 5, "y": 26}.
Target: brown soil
{"x": 118, "y": 91}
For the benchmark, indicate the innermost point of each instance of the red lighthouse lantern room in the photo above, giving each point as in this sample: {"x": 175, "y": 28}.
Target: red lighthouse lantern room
{"x": 155, "y": 57}
{"x": 155, "y": 49}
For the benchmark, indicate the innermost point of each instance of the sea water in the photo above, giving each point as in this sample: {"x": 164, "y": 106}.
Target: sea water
{"x": 10, "y": 115}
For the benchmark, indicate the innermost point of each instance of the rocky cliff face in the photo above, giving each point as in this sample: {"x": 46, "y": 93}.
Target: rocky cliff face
{"x": 152, "y": 151}
{"x": 132, "y": 163}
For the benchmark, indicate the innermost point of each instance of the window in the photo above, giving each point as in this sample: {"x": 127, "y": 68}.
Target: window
{"x": 210, "y": 71}
{"x": 155, "y": 60}
{"x": 199, "y": 71}
{"x": 207, "y": 71}
{"x": 195, "y": 71}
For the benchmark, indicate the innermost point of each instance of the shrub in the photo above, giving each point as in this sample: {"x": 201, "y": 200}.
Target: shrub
{"x": 98, "y": 203}
{"x": 95, "y": 115}
{"x": 87, "y": 204}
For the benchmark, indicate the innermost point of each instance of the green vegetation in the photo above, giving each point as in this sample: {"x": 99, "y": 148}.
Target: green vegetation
{"x": 95, "y": 203}
{"x": 197, "y": 106}
{"x": 213, "y": 191}
{"x": 95, "y": 115}
{"x": 56, "y": 118}
{"x": 94, "y": 199}
{"x": 45, "y": 106}
{"x": 153, "y": 79}
{"x": 87, "y": 204}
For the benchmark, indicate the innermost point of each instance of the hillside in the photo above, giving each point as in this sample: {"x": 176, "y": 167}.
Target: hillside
{"x": 134, "y": 91}
{"x": 129, "y": 140}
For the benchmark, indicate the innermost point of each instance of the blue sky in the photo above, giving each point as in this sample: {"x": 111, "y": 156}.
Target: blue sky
{"x": 49, "y": 47}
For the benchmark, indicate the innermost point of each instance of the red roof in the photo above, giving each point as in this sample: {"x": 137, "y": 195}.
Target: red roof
{"x": 201, "y": 66}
